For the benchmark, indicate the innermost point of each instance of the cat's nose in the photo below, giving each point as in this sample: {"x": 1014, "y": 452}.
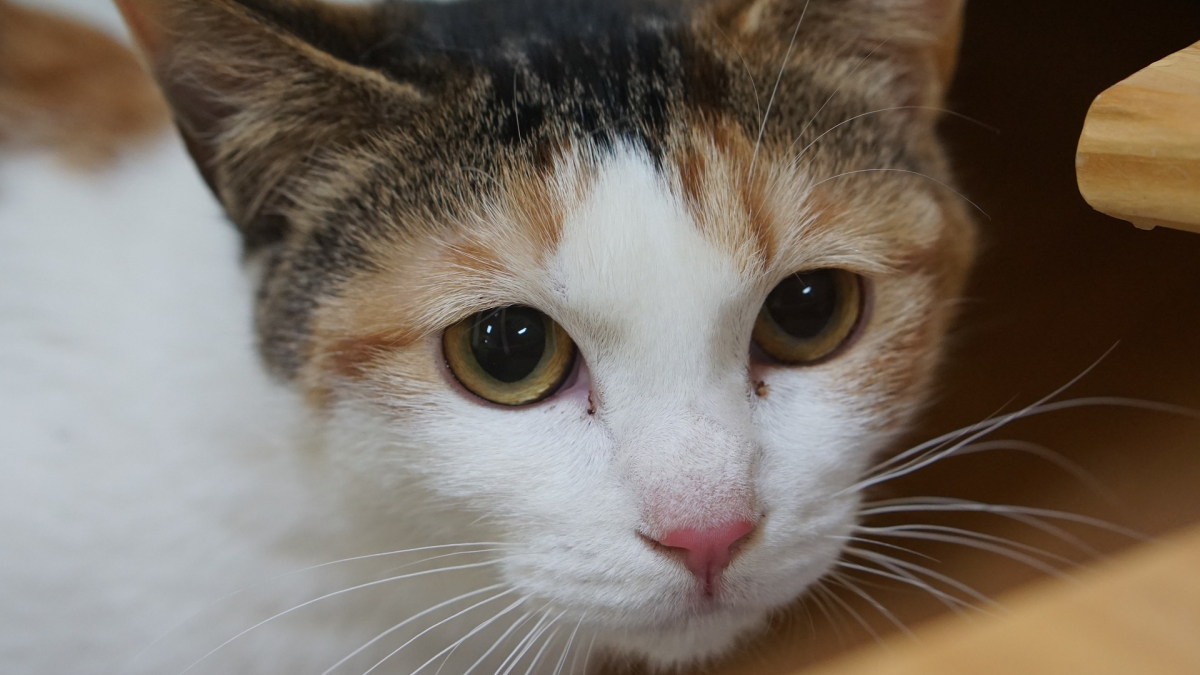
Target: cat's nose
{"x": 707, "y": 552}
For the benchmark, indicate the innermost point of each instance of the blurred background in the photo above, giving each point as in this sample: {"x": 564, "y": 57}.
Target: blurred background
{"x": 1056, "y": 287}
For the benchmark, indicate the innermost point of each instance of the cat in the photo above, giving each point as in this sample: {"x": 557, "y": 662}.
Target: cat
{"x": 578, "y": 323}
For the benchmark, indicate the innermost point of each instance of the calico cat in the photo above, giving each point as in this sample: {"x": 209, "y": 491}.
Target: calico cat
{"x": 581, "y": 320}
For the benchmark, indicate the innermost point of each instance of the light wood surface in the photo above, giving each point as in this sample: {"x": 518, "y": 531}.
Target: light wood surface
{"x": 1136, "y": 615}
{"x": 1139, "y": 155}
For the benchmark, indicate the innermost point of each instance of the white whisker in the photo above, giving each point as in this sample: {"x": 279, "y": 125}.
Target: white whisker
{"x": 820, "y": 602}
{"x": 1012, "y": 513}
{"x": 1085, "y": 477}
{"x": 853, "y": 588}
{"x": 953, "y": 603}
{"x": 891, "y": 561}
{"x": 562, "y": 660}
{"x": 503, "y": 636}
{"x": 977, "y": 541}
{"x": 285, "y": 575}
{"x": 787, "y": 56}
{"x": 948, "y": 504}
{"x": 834, "y": 597}
{"x": 444, "y": 555}
{"x": 837, "y": 126}
{"x": 409, "y": 620}
{"x": 458, "y": 642}
{"x": 538, "y": 657}
{"x": 977, "y": 536}
{"x": 991, "y": 422}
{"x": 331, "y": 595}
{"x": 853, "y": 70}
{"x": 588, "y": 656}
{"x": 745, "y": 67}
{"x": 526, "y": 643}
{"x": 884, "y": 544}
{"x": 908, "y": 172}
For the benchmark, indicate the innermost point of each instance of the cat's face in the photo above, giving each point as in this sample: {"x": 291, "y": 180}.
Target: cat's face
{"x": 712, "y": 312}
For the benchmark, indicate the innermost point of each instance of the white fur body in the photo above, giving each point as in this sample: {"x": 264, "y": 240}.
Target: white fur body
{"x": 148, "y": 466}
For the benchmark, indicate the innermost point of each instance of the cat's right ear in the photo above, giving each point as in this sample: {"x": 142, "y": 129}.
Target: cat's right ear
{"x": 920, "y": 38}
{"x": 260, "y": 88}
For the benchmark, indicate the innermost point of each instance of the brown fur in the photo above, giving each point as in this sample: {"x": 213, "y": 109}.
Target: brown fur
{"x": 70, "y": 88}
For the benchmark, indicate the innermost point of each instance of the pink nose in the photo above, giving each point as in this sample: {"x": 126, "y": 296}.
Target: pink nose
{"x": 707, "y": 552}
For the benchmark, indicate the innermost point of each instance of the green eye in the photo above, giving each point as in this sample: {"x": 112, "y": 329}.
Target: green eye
{"x": 511, "y": 356}
{"x": 809, "y": 315}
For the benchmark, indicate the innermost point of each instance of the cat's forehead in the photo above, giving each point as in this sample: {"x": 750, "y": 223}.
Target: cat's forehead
{"x": 633, "y": 264}
{"x": 617, "y": 243}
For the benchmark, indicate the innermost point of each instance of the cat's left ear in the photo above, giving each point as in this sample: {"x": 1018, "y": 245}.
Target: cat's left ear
{"x": 920, "y": 37}
{"x": 261, "y": 88}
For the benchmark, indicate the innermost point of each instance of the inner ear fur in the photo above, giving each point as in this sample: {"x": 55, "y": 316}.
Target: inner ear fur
{"x": 260, "y": 88}
{"x": 921, "y": 37}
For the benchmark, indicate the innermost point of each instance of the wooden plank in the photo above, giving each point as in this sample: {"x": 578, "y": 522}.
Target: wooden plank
{"x": 1139, "y": 613}
{"x": 1139, "y": 155}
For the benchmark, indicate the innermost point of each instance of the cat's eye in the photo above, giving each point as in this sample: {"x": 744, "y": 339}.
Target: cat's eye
{"x": 511, "y": 356}
{"x": 810, "y": 315}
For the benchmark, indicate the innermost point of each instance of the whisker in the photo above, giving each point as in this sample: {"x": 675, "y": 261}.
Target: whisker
{"x": 588, "y": 656}
{"x": 218, "y": 601}
{"x": 953, "y": 603}
{"x": 884, "y": 544}
{"x": 527, "y": 642}
{"x": 853, "y": 70}
{"x": 853, "y": 588}
{"x": 890, "y": 561}
{"x": 787, "y": 56}
{"x": 504, "y": 636}
{"x": 812, "y": 624}
{"x": 538, "y": 657}
{"x": 950, "y": 504}
{"x": 856, "y": 616}
{"x": 904, "y": 171}
{"x": 1034, "y": 522}
{"x": 979, "y": 536}
{"x": 445, "y": 555}
{"x": 819, "y": 600}
{"x": 1076, "y": 470}
{"x": 980, "y": 544}
{"x": 987, "y": 423}
{"x": 988, "y": 426}
{"x": 457, "y": 642}
{"x": 745, "y": 67}
{"x": 409, "y": 620}
{"x": 567, "y": 650}
{"x": 331, "y": 595}
{"x": 830, "y": 130}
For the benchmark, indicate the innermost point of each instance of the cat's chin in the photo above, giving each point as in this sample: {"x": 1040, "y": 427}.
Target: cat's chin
{"x": 693, "y": 641}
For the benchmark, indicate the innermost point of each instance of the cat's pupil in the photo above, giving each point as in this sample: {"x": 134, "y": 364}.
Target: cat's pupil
{"x": 508, "y": 343}
{"x": 804, "y": 304}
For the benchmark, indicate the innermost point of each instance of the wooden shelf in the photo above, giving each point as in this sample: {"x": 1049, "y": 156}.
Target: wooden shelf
{"x": 1139, "y": 155}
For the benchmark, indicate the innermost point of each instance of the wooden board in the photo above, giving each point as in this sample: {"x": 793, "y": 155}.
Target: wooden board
{"x": 1138, "y": 614}
{"x": 1139, "y": 155}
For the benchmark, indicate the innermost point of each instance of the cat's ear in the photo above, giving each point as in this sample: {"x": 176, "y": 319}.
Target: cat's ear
{"x": 259, "y": 88}
{"x": 919, "y": 36}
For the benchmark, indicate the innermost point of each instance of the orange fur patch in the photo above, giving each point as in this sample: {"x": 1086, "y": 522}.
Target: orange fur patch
{"x": 717, "y": 158}
{"x": 71, "y": 88}
{"x": 442, "y": 280}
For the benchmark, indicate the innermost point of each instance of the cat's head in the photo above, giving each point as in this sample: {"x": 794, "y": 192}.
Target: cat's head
{"x": 645, "y": 282}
